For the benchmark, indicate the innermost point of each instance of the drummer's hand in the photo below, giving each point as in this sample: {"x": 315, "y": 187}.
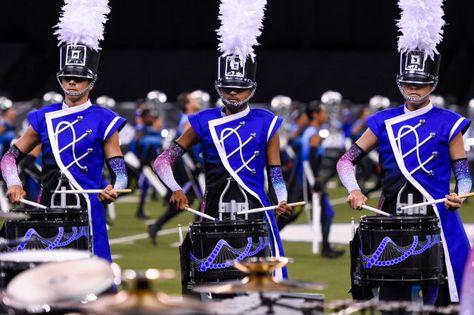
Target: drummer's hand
{"x": 453, "y": 202}
{"x": 283, "y": 209}
{"x": 356, "y": 199}
{"x": 179, "y": 200}
{"x": 15, "y": 193}
{"x": 107, "y": 195}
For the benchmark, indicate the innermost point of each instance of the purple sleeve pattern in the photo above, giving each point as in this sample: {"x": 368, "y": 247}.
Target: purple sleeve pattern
{"x": 278, "y": 183}
{"x": 345, "y": 167}
{"x": 463, "y": 176}
{"x": 164, "y": 163}
{"x": 118, "y": 171}
{"x": 9, "y": 167}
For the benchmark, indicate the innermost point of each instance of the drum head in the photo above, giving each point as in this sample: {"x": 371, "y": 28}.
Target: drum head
{"x": 43, "y": 256}
{"x": 51, "y": 283}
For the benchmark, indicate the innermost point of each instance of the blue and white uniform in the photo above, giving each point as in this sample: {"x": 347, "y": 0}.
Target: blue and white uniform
{"x": 237, "y": 145}
{"x": 414, "y": 148}
{"x": 73, "y": 145}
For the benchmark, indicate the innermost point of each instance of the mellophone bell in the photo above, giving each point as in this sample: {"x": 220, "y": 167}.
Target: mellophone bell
{"x": 211, "y": 247}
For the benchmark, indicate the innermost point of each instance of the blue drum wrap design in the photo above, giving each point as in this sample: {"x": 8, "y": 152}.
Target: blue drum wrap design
{"x": 399, "y": 250}
{"x": 61, "y": 240}
{"x": 216, "y": 245}
{"x": 388, "y": 253}
{"x": 224, "y": 255}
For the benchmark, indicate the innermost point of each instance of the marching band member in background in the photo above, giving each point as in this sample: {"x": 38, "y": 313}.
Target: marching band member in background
{"x": 184, "y": 172}
{"x": 311, "y": 152}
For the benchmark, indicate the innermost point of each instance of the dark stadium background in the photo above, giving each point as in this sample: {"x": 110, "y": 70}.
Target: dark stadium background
{"x": 307, "y": 47}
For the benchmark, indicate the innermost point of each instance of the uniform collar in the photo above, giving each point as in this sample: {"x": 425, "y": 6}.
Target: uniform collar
{"x": 420, "y": 111}
{"x": 78, "y": 107}
{"x": 236, "y": 115}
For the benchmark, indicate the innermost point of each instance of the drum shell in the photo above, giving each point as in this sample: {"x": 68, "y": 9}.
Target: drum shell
{"x": 47, "y": 222}
{"x": 424, "y": 267}
{"x": 206, "y": 235}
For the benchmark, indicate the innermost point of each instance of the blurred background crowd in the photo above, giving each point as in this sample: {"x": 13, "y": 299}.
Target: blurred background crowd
{"x": 339, "y": 54}
{"x": 155, "y": 121}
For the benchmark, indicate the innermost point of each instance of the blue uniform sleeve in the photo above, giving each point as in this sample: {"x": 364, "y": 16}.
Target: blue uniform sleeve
{"x": 33, "y": 119}
{"x": 195, "y": 123}
{"x": 461, "y": 125}
{"x": 116, "y": 125}
{"x": 373, "y": 122}
{"x": 274, "y": 126}
{"x": 112, "y": 122}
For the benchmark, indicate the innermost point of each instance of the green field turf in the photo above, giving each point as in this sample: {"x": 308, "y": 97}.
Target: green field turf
{"x": 141, "y": 254}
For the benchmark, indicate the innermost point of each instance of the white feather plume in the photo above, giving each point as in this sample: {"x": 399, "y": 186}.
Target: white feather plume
{"x": 82, "y": 21}
{"x": 241, "y": 21}
{"x": 421, "y": 25}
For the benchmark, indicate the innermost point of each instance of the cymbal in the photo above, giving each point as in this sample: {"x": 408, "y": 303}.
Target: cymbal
{"x": 152, "y": 274}
{"x": 143, "y": 302}
{"x": 263, "y": 265}
{"x": 50, "y": 283}
{"x": 139, "y": 298}
{"x": 259, "y": 279}
{"x": 13, "y": 216}
{"x": 259, "y": 284}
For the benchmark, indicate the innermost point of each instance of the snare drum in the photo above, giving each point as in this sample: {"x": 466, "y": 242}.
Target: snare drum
{"x": 399, "y": 250}
{"x": 11, "y": 264}
{"x": 216, "y": 244}
{"x": 51, "y": 228}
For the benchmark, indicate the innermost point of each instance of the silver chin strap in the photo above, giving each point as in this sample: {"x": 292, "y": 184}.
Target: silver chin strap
{"x": 78, "y": 93}
{"x": 235, "y": 105}
{"x": 415, "y": 98}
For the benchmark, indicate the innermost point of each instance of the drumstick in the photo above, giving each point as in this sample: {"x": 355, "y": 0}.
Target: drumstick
{"x": 31, "y": 203}
{"x": 429, "y": 203}
{"x": 376, "y": 210}
{"x": 200, "y": 214}
{"x": 90, "y": 191}
{"x": 294, "y": 204}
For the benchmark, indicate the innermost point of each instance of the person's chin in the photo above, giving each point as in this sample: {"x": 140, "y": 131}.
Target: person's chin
{"x": 417, "y": 104}
{"x": 233, "y": 104}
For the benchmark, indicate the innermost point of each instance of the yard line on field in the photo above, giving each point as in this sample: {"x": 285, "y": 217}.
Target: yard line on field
{"x": 141, "y": 236}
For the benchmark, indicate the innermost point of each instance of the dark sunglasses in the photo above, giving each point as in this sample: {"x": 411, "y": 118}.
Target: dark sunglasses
{"x": 230, "y": 90}
{"x": 75, "y": 79}
{"x": 414, "y": 86}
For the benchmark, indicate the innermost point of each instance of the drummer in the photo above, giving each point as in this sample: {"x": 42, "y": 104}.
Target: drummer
{"x": 76, "y": 136}
{"x": 238, "y": 142}
{"x": 419, "y": 143}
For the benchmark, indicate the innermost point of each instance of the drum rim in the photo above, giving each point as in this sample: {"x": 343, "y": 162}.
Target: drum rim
{"x": 399, "y": 219}
{"x": 47, "y": 211}
{"x": 228, "y": 222}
